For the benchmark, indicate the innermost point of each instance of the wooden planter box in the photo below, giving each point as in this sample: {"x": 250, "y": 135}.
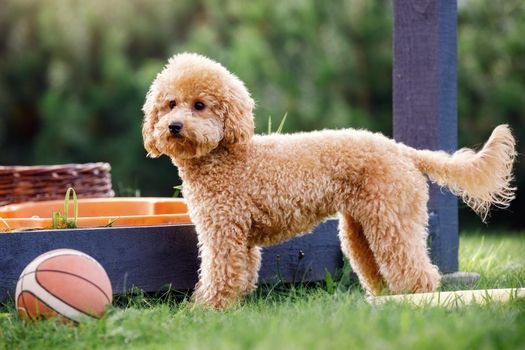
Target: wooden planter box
{"x": 153, "y": 257}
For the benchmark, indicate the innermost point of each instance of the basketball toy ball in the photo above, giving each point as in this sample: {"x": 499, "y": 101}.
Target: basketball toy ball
{"x": 63, "y": 283}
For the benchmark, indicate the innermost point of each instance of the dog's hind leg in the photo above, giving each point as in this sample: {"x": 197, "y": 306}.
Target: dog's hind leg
{"x": 392, "y": 210}
{"x": 398, "y": 243}
{"x": 253, "y": 263}
{"x": 357, "y": 250}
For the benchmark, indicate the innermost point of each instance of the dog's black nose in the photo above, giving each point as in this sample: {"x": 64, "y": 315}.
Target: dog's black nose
{"x": 175, "y": 128}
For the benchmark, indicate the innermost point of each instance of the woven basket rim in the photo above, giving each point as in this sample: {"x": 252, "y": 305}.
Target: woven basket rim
{"x": 75, "y": 166}
{"x": 42, "y": 182}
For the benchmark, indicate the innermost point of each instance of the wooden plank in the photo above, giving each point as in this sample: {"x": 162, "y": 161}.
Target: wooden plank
{"x": 304, "y": 258}
{"x": 425, "y": 97}
{"x": 453, "y": 299}
{"x": 146, "y": 257}
{"x": 153, "y": 257}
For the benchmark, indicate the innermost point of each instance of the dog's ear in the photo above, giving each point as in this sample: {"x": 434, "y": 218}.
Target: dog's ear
{"x": 150, "y": 110}
{"x": 237, "y": 110}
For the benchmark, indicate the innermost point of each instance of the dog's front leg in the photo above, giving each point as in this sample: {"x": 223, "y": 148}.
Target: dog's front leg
{"x": 223, "y": 274}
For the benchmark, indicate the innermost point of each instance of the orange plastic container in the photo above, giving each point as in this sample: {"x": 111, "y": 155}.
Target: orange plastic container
{"x": 97, "y": 212}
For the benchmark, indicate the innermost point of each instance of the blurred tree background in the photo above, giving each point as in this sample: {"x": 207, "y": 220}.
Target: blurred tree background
{"x": 73, "y": 74}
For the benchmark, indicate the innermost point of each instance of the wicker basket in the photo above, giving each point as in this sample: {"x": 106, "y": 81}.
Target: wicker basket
{"x": 46, "y": 182}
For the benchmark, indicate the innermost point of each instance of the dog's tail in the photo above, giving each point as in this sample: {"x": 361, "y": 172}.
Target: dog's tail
{"x": 480, "y": 178}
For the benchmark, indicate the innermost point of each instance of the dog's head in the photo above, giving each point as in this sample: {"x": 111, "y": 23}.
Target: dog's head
{"x": 193, "y": 106}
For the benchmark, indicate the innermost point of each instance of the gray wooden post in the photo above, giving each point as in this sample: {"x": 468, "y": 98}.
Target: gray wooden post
{"x": 425, "y": 111}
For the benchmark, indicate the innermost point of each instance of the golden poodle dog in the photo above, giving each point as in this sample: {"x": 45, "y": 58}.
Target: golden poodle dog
{"x": 245, "y": 191}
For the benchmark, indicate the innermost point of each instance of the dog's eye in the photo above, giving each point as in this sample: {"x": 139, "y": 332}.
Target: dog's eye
{"x": 199, "y": 105}
{"x": 172, "y": 104}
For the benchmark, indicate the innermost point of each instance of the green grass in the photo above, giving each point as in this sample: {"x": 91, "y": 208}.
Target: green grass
{"x": 281, "y": 317}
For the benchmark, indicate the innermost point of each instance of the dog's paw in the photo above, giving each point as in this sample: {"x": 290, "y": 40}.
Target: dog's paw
{"x": 428, "y": 281}
{"x": 213, "y": 300}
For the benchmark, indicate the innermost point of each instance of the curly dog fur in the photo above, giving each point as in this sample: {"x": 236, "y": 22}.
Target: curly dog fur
{"x": 246, "y": 191}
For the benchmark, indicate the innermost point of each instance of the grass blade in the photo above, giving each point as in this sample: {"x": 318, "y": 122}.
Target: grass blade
{"x": 66, "y": 203}
{"x": 281, "y": 125}
{"x": 65, "y": 218}
{"x": 75, "y": 207}
{"x": 329, "y": 282}
{"x": 55, "y": 218}
{"x": 178, "y": 190}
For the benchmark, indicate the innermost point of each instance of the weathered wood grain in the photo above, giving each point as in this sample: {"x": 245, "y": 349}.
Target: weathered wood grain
{"x": 151, "y": 258}
{"x": 425, "y": 98}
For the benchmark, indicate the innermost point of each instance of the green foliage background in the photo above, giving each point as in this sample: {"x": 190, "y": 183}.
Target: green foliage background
{"x": 73, "y": 74}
